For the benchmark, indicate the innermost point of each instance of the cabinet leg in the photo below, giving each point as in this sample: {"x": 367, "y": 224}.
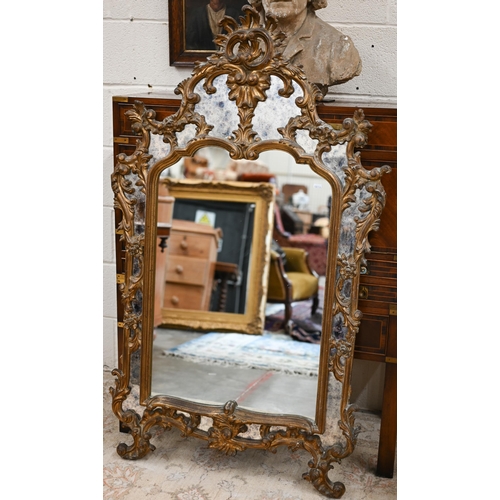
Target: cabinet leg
{"x": 388, "y": 424}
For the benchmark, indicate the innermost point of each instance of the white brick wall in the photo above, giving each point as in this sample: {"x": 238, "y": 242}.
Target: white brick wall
{"x": 136, "y": 59}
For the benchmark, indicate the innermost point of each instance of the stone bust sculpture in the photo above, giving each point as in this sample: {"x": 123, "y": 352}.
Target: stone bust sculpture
{"x": 327, "y": 56}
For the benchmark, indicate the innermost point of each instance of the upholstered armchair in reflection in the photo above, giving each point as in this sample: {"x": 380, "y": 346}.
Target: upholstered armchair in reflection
{"x": 292, "y": 281}
{"x": 314, "y": 244}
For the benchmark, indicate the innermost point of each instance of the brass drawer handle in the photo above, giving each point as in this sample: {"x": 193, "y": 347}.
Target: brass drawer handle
{"x": 179, "y": 269}
{"x": 174, "y": 300}
{"x": 363, "y": 292}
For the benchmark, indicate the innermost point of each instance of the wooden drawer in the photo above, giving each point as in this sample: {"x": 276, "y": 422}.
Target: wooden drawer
{"x": 379, "y": 267}
{"x": 381, "y": 290}
{"x": 179, "y": 296}
{"x": 190, "y": 245}
{"x": 379, "y": 319}
{"x": 372, "y": 334}
{"x": 380, "y": 264}
{"x": 187, "y": 270}
{"x": 378, "y": 280}
{"x": 377, "y": 325}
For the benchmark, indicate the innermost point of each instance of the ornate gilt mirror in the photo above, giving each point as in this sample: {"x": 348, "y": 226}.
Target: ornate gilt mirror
{"x": 248, "y": 100}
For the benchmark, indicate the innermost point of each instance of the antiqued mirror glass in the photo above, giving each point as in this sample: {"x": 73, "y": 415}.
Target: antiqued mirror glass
{"x": 254, "y": 105}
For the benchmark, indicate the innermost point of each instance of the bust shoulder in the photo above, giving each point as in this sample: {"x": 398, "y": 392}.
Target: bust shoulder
{"x": 334, "y": 52}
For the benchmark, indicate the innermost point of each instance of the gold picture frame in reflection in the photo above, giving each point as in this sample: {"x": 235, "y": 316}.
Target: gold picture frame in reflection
{"x": 218, "y": 256}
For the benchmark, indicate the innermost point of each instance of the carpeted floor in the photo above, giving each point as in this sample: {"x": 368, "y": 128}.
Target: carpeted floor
{"x": 304, "y": 326}
{"x": 270, "y": 351}
{"x": 186, "y": 469}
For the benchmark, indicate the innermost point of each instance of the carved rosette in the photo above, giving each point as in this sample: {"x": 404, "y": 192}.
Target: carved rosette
{"x": 250, "y": 54}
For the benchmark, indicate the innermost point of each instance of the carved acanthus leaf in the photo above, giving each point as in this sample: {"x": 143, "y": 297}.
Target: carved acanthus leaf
{"x": 225, "y": 429}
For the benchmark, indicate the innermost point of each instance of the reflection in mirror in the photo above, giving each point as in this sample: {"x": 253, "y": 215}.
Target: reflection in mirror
{"x": 258, "y": 372}
{"x": 209, "y": 247}
{"x": 230, "y": 237}
{"x": 213, "y": 275}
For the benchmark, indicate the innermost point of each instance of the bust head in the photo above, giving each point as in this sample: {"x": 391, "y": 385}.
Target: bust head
{"x": 289, "y": 9}
{"x": 290, "y": 14}
{"x": 314, "y": 4}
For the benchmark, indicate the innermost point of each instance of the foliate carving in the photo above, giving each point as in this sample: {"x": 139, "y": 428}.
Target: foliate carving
{"x": 358, "y": 182}
{"x": 131, "y": 290}
{"x": 129, "y": 418}
{"x": 250, "y": 55}
{"x": 137, "y": 163}
{"x": 225, "y": 428}
{"x": 318, "y": 476}
{"x": 224, "y": 435}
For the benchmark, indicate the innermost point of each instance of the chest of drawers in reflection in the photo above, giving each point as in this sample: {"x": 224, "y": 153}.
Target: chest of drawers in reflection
{"x": 189, "y": 270}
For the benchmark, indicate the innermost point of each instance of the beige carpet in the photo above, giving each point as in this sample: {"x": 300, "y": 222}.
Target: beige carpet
{"x": 185, "y": 469}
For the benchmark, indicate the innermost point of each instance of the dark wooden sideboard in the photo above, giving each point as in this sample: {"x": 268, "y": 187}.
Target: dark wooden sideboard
{"x": 376, "y": 340}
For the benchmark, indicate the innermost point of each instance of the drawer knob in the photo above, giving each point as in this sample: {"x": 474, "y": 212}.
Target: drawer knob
{"x": 184, "y": 244}
{"x": 179, "y": 269}
{"x": 363, "y": 292}
{"x": 363, "y": 270}
{"x": 174, "y": 300}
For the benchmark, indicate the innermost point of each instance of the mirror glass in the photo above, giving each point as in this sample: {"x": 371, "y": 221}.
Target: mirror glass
{"x": 214, "y": 365}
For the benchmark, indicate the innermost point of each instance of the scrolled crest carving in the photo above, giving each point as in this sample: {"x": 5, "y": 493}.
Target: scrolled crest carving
{"x": 250, "y": 56}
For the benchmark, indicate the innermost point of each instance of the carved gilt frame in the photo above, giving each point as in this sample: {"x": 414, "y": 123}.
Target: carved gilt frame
{"x": 247, "y": 66}
{"x": 262, "y": 195}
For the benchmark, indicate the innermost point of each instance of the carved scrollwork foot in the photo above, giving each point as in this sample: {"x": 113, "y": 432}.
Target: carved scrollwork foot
{"x": 130, "y": 419}
{"x": 140, "y": 447}
{"x": 318, "y": 476}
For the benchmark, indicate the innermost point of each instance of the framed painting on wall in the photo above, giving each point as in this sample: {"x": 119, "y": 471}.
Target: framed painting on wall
{"x": 193, "y": 25}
